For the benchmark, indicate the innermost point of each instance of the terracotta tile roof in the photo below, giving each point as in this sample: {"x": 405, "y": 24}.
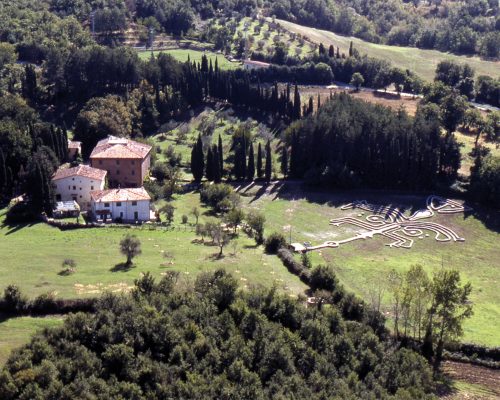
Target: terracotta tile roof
{"x": 114, "y": 195}
{"x": 80, "y": 170}
{"x": 74, "y": 145}
{"x": 114, "y": 147}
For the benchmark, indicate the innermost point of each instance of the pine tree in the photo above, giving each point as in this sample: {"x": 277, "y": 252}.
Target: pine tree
{"x": 269, "y": 161}
{"x": 251, "y": 164}
{"x": 284, "y": 161}
{"x": 260, "y": 171}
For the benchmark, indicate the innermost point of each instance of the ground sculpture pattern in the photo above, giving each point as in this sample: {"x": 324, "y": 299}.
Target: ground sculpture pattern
{"x": 391, "y": 222}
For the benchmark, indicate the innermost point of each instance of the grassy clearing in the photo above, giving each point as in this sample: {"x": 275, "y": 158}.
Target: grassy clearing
{"x": 182, "y": 55}
{"x": 422, "y": 62}
{"x": 363, "y": 265}
{"x": 15, "y": 332}
{"x": 35, "y": 268}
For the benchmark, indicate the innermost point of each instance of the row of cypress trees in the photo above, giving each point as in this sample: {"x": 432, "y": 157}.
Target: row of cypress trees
{"x": 210, "y": 163}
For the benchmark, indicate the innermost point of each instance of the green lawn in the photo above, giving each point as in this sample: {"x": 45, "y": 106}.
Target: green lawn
{"x": 32, "y": 257}
{"x": 15, "y": 332}
{"x": 422, "y": 62}
{"x": 364, "y": 264}
{"x": 182, "y": 55}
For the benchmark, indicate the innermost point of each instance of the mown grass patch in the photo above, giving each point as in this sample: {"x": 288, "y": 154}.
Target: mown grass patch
{"x": 422, "y": 62}
{"x": 14, "y": 332}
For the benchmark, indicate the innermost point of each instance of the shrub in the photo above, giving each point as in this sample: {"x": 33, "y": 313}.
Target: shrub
{"x": 323, "y": 278}
{"x": 274, "y": 242}
{"x": 184, "y": 219}
{"x": 13, "y": 300}
{"x": 294, "y": 266}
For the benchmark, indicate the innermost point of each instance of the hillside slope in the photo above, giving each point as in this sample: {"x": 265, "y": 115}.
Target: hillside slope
{"x": 422, "y": 62}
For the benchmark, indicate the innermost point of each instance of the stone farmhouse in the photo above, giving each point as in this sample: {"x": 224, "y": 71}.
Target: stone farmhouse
{"x": 77, "y": 183}
{"x": 122, "y": 205}
{"x": 126, "y": 161}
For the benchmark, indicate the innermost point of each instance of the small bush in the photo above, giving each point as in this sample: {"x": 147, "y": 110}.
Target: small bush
{"x": 274, "y": 242}
{"x": 184, "y": 219}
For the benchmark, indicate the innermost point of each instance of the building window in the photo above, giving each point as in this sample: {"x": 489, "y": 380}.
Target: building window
{"x": 106, "y": 205}
{"x": 92, "y": 188}
{"x": 119, "y": 204}
{"x": 74, "y": 187}
{"x": 117, "y": 172}
{"x": 100, "y": 162}
{"x": 133, "y": 172}
{"x": 69, "y": 187}
{"x": 117, "y": 162}
{"x": 58, "y": 197}
{"x": 80, "y": 196}
{"x": 134, "y": 203}
{"x": 80, "y": 189}
{"x": 133, "y": 162}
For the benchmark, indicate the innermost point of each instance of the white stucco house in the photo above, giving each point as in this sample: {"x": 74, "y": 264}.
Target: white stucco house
{"x": 77, "y": 183}
{"x": 125, "y": 205}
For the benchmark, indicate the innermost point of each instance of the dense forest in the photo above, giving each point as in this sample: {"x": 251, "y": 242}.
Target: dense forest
{"x": 349, "y": 143}
{"x": 211, "y": 341}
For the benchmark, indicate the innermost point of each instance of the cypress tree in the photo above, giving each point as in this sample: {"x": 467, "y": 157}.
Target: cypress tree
{"x": 310, "y": 109}
{"x": 322, "y": 49}
{"x": 197, "y": 160}
{"x": 294, "y": 157}
{"x": 338, "y": 52}
{"x": 251, "y": 164}
{"x": 3, "y": 172}
{"x": 269, "y": 166}
{"x": 350, "y": 49}
{"x": 296, "y": 104}
{"x": 284, "y": 161}
{"x": 319, "y": 101}
{"x": 260, "y": 171}
{"x": 215, "y": 165}
{"x": 221, "y": 157}
{"x": 210, "y": 166}
{"x": 331, "y": 51}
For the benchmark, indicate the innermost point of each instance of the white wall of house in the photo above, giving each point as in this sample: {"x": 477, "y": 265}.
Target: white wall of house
{"x": 129, "y": 211}
{"x": 77, "y": 188}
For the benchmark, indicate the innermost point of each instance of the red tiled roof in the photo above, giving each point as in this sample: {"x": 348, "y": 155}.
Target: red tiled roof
{"x": 80, "y": 170}
{"x": 113, "y": 147}
{"x": 114, "y": 195}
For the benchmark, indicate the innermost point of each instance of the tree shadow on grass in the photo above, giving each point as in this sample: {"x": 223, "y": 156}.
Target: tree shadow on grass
{"x": 216, "y": 257}
{"x": 122, "y": 267}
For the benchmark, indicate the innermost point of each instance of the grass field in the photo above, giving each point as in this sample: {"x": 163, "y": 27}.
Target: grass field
{"x": 195, "y": 56}
{"x": 15, "y": 332}
{"x": 362, "y": 265}
{"x": 35, "y": 268}
{"x": 422, "y": 62}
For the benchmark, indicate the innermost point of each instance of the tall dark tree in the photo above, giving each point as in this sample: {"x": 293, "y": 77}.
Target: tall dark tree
{"x": 260, "y": 170}
{"x": 331, "y": 51}
{"x": 29, "y": 84}
{"x": 322, "y": 49}
{"x": 197, "y": 160}
{"x": 269, "y": 162}
{"x": 310, "y": 108}
{"x": 210, "y": 166}
{"x": 217, "y": 172}
{"x": 284, "y": 161}
{"x": 221, "y": 154}
{"x": 351, "y": 50}
{"x": 251, "y": 164}
{"x": 296, "y": 104}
